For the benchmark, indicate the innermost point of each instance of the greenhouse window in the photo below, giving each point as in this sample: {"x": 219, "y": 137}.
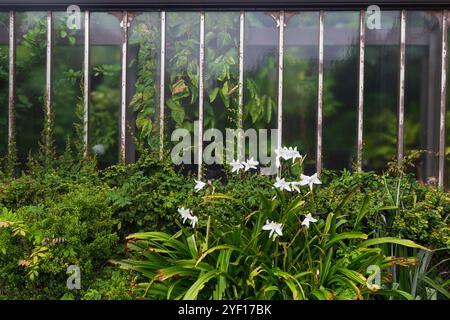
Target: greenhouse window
{"x": 347, "y": 95}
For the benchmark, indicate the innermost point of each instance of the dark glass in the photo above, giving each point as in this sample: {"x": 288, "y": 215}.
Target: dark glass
{"x": 144, "y": 55}
{"x": 300, "y": 84}
{"x": 381, "y": 72}
{"x": 31, "y": 40}
{"x": 261, "y": 76}
{"x": 221, "y": 104}
{"x": 68, "y": 52}
{"x": 447, "y": 125}
{"x": 422, "y": 91}
{"x": 106, "y": 39}
{"x": 4, "y": 76}
{"x": 340, "y": 96}
{"x": 182, "y": 73}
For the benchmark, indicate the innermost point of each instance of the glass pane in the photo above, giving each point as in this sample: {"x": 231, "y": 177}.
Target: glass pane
{"x": 182, "y": 71}
{"x": 68, "y": 51}
{"x": 221, "y": 107}
{"x": 261, "y": 78}
{"x": 423, "y": 48}
{"x": 381, "y": 70}
{"x": 447, "y": 124}
{"x": 340, "y": 107}
{"x": 144, "y": 52}
{"x": 4, "y": 76}
{"x": 106, "y": 37}
{"x": 300, "y": 84}
{"x": 31, "y": 59}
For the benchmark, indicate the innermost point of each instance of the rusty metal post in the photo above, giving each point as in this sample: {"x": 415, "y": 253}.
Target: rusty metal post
{"x": 48, "y": 77}
{"x": 401, "y": 93}
{"x": 12, "y": 83}
{"x": 87, "y": 80}
{"x": 240, "y": 155}
{"x": 162, "y": 84}
{"x": 362, "y": 41}
{"x": 443, "y": 91}
{"x": 280, "y": 78}
{"x": 125, "y": 24}
{"x": 320, "y": 94}
{"x": 201, "y": 94}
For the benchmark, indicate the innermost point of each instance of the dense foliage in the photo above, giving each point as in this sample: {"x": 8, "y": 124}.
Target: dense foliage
{"x": 68, "y": 212}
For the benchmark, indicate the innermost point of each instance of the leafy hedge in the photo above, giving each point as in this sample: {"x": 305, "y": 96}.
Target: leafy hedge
{"x": 70, "y": 213}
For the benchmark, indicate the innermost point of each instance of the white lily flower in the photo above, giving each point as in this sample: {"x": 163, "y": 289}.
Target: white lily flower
{"x": 293, "y": 154}
{"x": 308, "y": 220}
{"x": 286, "y": 154}
{"x": 309, "y": 180}
{"x": 236, "y": 166}
{"x": 294, "y": 186}
{"x": 185, "y": 214}
{"x": 282, "y": 184}
{"x": 194, "y": 221}
{"x": 279, "y": 154}
{"x": 250, "y": 164}
{"x": 273, "y": 227}
{"x": 199, "y": 185}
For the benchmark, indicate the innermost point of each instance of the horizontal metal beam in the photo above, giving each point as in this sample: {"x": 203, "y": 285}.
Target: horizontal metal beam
{"x": 219, "y": 4}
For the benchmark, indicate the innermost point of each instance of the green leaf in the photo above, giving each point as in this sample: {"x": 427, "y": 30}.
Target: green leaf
{"x": 436, "y": 286}
{"x": 198, "y": 285}
{"x": 403, "y": 242}
{"x": 213, "y": 94}
{"x": 344, "y": 236}
{"x": 363, "y": 211}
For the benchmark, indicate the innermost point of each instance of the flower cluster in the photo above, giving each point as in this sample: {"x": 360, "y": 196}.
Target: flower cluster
{"x": 287, "y": 154}
{"x": 236, "y": 166}
{"x": 186, "y": 214}
{"x": 282, "y": 184}
{"x": 275, "y": 229}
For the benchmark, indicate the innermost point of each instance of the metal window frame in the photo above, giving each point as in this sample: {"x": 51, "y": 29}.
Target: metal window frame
{"x": 127, "y": 16}
{"x": 221, "y": 4}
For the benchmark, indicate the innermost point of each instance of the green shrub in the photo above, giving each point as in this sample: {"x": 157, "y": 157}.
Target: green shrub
{"x": 75, "y": 228}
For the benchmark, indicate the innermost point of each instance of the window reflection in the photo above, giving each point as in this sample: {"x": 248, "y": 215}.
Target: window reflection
{"x": 381, "y": 71}
{"x": 30, "y": 78}
{"x": 422, "y": 92}
{"x": 4, "y": 71}
{"x": 300, "y": 84}
{"x": 68, "y": 49}
{"x": 261, "y": 74}
{"x": 221, "y": 105}
{"x": 447, "y": 124}
{"x": 341, "y": 56}
{"x": 144, "y": 79}
{"x": 105, "y": 87}
{"x": 182, "y": 73}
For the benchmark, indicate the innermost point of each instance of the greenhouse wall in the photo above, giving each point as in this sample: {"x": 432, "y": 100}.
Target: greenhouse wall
{"x": 350, "y": 86}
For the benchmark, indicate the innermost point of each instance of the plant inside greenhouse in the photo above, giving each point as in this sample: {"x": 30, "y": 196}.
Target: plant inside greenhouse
{"x": 254, "y": 151}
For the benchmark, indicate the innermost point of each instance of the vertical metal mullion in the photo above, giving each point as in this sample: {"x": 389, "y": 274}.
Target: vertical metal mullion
{"x": 320, "y": 94}
{"x": 201, "y": 93}
{"x": 162, "y": 84}
{"x": 48, "y": 85}
{"x": 280, "y": 79}
{"x": 443, "y": 92}
{"x": 123, "y": 105}
{"x": 362, "y": 41}
{"x": 12, "y": 82}
{"x": 241, "y": 84}
{"x": 87, "y": 80}
{"x": 401, "y": 98}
